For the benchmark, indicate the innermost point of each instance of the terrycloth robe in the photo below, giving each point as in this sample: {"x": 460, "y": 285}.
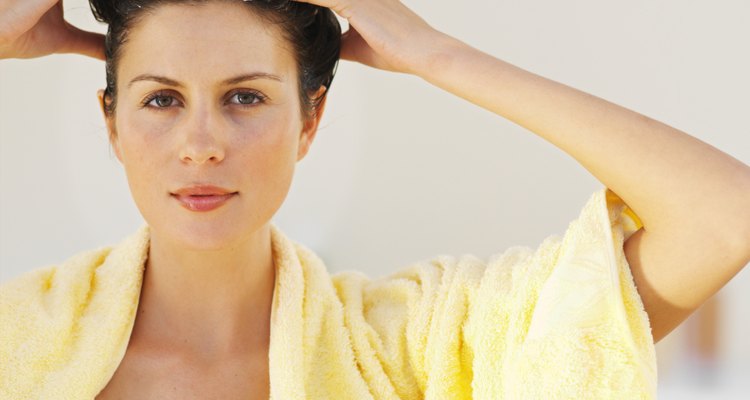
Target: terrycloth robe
{"x": 563, "y": 321}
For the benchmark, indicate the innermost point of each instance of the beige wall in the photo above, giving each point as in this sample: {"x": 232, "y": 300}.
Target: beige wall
{"x": 401, "y": 171}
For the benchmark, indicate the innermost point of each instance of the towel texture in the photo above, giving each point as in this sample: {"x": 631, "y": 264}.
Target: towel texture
{"x": 562, "y": 321}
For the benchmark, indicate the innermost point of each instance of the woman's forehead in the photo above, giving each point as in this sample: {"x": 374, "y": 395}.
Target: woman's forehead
{"x": 213, "y": 38}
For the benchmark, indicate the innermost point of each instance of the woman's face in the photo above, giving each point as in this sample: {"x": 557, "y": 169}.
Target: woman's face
{"x": 208, "y": 94}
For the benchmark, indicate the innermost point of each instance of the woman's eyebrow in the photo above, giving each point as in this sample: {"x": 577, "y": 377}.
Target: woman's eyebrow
{"x": 231, "y": 81}
{"x": 251, "y": 77}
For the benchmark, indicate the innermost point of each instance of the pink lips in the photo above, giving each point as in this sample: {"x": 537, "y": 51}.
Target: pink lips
{"x": 203, "y": 197}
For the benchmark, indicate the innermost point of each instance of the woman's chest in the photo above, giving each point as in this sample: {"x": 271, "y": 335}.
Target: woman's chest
{"x": 143, "y": 377}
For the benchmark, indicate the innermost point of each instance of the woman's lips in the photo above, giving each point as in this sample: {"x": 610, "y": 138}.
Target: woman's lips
{"x": 203, "y": 202}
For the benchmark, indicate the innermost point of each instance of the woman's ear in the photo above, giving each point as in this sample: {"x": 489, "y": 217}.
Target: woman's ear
{"x": 310, "y": 125}
{"x": 110, "y": 123}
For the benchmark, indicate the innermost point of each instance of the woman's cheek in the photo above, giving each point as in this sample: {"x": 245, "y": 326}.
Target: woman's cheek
{"x": 267, "y": 134}
{"x": 267, "y": 145}
{"x": 142, "y": 146}
{"x": 152, "y": 127}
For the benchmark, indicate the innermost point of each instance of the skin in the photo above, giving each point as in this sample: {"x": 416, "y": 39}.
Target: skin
{"x": 197, "y": 131}
{"x": 214, "y": 341}
{"x": 678, "y": 262}
{"x": 36, "y": 28}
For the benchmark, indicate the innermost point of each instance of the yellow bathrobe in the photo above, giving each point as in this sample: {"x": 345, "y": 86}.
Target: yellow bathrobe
{"x": 563, "y": 321}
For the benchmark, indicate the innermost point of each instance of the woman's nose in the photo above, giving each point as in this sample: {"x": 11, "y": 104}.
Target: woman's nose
{"x": 203, "y": 139}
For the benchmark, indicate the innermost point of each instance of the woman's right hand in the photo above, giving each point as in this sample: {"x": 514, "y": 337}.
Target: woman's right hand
{"x": 35, "y": 28}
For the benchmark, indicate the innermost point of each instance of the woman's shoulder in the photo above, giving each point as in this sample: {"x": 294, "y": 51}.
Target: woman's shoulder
{"x": 67, "y": 322}
{"x": 50, "y": 279}
{"x": 62, "y": 290}
{"x": 41, "y": 307}
{"x": 46, "y": 278}
{"x": 76, "y": 273}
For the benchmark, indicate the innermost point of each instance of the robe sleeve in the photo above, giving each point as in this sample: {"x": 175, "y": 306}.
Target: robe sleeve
{"x": 562, "y": 321}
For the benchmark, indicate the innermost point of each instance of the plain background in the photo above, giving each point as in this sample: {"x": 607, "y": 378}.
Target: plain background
{"x": 401, "y": 171}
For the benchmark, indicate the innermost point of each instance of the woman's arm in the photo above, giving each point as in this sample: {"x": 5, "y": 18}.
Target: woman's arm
{"x": 35, "y": 28}
{"x": 693, "y": 200}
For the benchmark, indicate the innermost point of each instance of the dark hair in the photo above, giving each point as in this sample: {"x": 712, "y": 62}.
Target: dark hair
{"x": 313, "y": 31}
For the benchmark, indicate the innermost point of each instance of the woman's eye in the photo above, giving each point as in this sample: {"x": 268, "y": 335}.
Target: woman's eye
{"x": 164, "y": 101}
{"x": 247, "y": 98}
{"x": 160, "y": 101}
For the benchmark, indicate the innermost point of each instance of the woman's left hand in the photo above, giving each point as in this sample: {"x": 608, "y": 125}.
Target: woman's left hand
{"x": 384, "y": 34}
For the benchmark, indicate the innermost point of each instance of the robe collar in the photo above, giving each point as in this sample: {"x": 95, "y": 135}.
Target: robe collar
{"x": 123, "y": 271}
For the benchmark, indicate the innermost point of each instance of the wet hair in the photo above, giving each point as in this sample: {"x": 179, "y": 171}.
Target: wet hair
{"x": 313, "y": 32}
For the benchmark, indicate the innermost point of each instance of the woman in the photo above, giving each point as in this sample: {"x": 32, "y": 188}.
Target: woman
{"x": 212, "y": 109}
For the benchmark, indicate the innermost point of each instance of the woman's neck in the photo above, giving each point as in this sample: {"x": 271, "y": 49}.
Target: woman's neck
{"x": 207, "y": 304}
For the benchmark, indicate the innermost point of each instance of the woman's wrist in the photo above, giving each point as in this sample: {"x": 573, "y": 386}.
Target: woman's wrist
{"x": 440, "y": 53}
{"x": 443, "y": 54}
